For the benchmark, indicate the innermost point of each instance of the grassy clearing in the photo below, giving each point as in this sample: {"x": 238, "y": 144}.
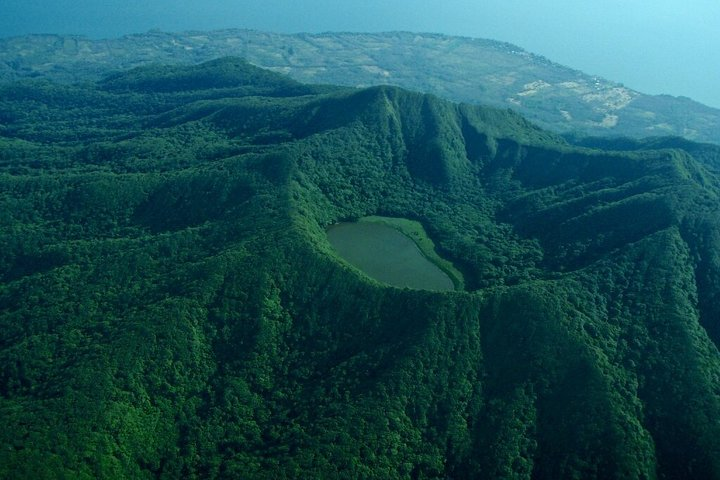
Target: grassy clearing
{"x": 415, "y": 231}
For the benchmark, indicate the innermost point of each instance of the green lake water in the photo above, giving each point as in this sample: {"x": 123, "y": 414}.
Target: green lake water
{"x": 387, "y": 255}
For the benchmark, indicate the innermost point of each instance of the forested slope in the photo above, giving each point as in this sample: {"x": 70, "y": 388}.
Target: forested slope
{"x": 170, "y": 306}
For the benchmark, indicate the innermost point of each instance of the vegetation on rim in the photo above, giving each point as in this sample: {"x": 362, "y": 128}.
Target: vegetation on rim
{"x": 170, "y": 306}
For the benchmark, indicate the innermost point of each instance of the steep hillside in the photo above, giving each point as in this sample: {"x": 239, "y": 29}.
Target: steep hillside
{"x": 460, "y": 69}
{"x": 170, "y": 306}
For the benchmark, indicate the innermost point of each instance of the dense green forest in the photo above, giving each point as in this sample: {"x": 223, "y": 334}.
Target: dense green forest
{"x": 170, "y": 306}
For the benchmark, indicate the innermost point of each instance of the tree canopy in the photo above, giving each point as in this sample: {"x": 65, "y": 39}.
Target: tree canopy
{"x": 170, "y": 306}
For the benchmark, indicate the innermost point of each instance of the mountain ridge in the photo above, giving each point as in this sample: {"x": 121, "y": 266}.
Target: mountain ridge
{"x": 457, "y": 68}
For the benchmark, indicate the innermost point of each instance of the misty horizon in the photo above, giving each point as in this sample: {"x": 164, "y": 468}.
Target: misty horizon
{"x": 658, "y": 49}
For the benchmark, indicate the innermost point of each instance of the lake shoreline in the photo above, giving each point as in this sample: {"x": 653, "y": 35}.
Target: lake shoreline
{"x": 395, "y": 251}
{"x": 416, "y": 232}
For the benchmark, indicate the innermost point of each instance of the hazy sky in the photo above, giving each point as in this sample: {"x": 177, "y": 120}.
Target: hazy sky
{"x": 655, "y": 46}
